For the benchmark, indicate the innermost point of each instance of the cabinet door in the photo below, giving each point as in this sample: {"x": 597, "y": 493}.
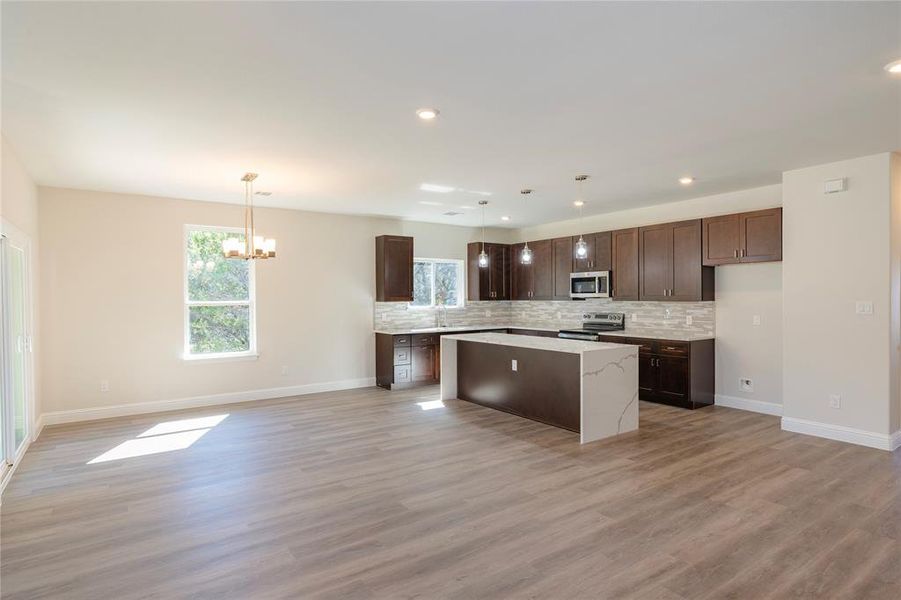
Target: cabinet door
{"x": 672, "y": 379}
{"x": 686, "y": 281}
{"x": 603, "y": 252}
{"x": 563, "y": 262}
{"x": 499, "y": 271}
{"x": 424, "y": 362}
{"x": 647, "y": 376}
{"x": 542, "y": 270}
{"x": 521, "y": 287}
{"x": 582, "y": 265}
{"x": 394, "y": 268}
{"x": 655, "y": 269}
{"x": 761, "y": 235}
{"x": 721, "y": 240}
{"x": 625, "y": 264}
{"x": 477, "y": 278}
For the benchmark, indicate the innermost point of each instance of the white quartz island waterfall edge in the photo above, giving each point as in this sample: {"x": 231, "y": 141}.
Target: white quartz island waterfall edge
{"x": 609, "y": 378}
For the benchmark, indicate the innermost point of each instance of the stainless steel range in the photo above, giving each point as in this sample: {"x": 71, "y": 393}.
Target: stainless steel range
{"x": 594, "y": 324}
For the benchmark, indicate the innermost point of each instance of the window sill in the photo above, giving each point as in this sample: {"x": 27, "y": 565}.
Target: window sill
{"x": 432, "y": 307}
{"x": 216, "y": 358}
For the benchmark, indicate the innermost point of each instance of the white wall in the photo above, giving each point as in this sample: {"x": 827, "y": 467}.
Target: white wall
{"x": 742, "y": 291}
{"x": 837, "y": 250}
{"x": 19, "y": 206}
{"x": 112, "y": 284}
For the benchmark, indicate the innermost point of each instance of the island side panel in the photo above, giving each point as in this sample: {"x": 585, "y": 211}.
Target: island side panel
{"x": 609, "y": 393}
{"x": 448, "y": 369}
{"x": 545, "y": 387}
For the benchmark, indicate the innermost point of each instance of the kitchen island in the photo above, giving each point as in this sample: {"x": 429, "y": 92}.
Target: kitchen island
{"x": 587, "y": 387}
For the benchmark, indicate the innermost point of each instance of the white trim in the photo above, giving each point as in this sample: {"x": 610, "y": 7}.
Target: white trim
{"x": 8, "y": 475}
{"x": 220, "y": 357}
{"x": 871, "y": 439}
{"x": 138, "y": 408}
{"x": 758, "y": 406}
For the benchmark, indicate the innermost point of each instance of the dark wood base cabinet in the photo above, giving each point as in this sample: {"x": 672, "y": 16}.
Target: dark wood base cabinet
{"x": 407, "y": 360}
{"x": 674, "y": 373}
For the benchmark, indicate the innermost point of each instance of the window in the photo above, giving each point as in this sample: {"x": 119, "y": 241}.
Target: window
{"x": 437, "y": 282}
{"x": 220, "y": 319}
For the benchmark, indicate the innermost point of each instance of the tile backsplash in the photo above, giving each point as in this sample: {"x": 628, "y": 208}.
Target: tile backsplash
{"x": 556, "y": 315}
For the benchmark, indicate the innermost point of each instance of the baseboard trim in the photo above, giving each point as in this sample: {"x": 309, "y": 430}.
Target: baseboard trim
{"x": 851, "y": 435}
{"x": 758, "y": 406}
{"x": 124, "y": 410}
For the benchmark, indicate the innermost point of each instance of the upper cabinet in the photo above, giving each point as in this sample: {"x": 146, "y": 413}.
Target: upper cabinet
{"x": 600, "y": 253}
{"x": 393, "y": 268}
{"x": 491, "y": 282}
{"x": 670, "y": 263}
{"x": 563, "y": 264}
{"x": 625, "y": 264}
{"x": 744, "y": 237}
{"x": 534, "y": 281}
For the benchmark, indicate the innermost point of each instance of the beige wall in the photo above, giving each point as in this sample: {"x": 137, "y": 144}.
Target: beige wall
{"x": 837, "y": 250}
{"x": 19, "y": 206}
{"x": 113, "y": 288}
{"x": 742, "y": 291}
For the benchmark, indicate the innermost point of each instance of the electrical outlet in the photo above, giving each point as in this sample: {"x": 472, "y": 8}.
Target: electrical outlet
{"x": 513, "y": 365}
{"x": 864, "y": 307}
{"x": 284, "y": 370}
{"x": 634, "y": 317}
{"x": 746, "y": 384}
{"x": 755, "y": 320}
{"x": 835, "y": 400}
{"x": 559, "y": 315}
{"x": 104, "y": 385}
{"x": 487, "y": 313}
{"x": 688, "y": 320}
{"x": 384, "y": 317}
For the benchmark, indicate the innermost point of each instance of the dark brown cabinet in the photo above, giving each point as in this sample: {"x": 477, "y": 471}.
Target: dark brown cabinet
{"x": 491, "y": 282}
{"x": 534, "y": 281}
{"x": 425, "y": 364}
{"x": 744, "y": 237}
{"x": 625, "y": 264}
{"x": 672, "y": 372}
{"x": 600, "y": 253}
{"x": 393, "y": 268}
{"x": 563, "y": 263}
{"x": 670, "y": 265}
{"x": 407, "y": 360}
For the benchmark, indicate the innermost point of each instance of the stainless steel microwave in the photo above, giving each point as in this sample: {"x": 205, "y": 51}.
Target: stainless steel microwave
{"x": 594, "y": 284}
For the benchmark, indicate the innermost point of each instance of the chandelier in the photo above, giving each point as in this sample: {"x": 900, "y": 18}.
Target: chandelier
{"x": 254, "y": 246}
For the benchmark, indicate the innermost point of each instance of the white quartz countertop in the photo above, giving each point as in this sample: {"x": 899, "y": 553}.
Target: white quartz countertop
{"x": 676, "y": 335}
{"x": 535, "y": 343}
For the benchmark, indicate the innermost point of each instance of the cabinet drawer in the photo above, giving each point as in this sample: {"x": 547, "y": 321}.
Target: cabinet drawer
{"x": 402, "y": 355}
{"x": 403, "y": 374}
{"x": 425, "y": 339}
{"x": 673, "y": 348}
{"x": 645, "y": 346}
{"x": 402, "y": 340}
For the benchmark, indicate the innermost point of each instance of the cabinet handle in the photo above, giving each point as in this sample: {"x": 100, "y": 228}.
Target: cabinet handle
{"x": 742, "y": 252}
{"x": 735, "y": 255}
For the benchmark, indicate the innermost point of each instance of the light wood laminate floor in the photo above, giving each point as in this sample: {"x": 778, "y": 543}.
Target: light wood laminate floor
{"x": 363, "y": 494}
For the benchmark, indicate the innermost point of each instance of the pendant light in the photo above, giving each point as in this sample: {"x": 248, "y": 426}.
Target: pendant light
{"x": 254, "y": 246}
{"x": 483, "y": 256}
{"x": 581, "y": 245}
{"x": 525, "y": 256}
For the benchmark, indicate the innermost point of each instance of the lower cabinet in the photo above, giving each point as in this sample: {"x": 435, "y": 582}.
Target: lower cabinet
{"x": 674, "y": 373}
{"x": 407, "y": 360}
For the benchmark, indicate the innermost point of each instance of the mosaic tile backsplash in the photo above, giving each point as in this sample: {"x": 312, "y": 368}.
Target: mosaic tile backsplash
{"x": 555, "y": 315}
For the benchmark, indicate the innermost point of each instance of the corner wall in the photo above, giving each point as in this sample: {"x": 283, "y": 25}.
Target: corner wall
{"x": 840, "y": 249}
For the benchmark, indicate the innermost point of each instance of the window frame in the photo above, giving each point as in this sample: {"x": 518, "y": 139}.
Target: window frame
{"x": 249, "y": 354}
{"x": 461, "y": 284}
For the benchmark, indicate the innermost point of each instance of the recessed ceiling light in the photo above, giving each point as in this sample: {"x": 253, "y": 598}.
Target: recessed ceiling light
{"x": 431, "y": 187}
{"x": 466, "y": 206}
{"x": 505, "y": 218}
{"x": 427, "y": 114}
{"x": 894, "y": 67}
{"x": 430, "y": 203}
{"x": 686, "y": 180}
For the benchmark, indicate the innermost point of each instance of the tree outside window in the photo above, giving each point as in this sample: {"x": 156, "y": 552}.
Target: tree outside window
{"x": 437, "y": 282}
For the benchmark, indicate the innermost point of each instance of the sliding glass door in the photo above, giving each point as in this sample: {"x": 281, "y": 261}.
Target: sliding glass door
{"x": 15, "y": 349}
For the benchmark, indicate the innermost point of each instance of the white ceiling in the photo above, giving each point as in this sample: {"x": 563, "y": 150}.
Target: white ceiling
{"x": 180, "y": 99}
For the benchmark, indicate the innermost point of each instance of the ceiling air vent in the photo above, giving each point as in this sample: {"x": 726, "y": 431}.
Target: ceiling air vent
{"x": 262, "y": 193}
{"x": 452, "y": 213}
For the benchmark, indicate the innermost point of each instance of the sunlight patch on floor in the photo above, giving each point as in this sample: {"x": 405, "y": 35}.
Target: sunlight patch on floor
{"x": 431, "y": 404}
{"x": 162, "y": 437}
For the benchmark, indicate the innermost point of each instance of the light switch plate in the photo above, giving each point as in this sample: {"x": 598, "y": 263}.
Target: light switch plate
{"x": 835, "y": 400}
{"x": 833, "y": 186}
{"x": 864, "y": 307}
{"x": 688, "y": 320}
{"x": 755, "y": 320}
